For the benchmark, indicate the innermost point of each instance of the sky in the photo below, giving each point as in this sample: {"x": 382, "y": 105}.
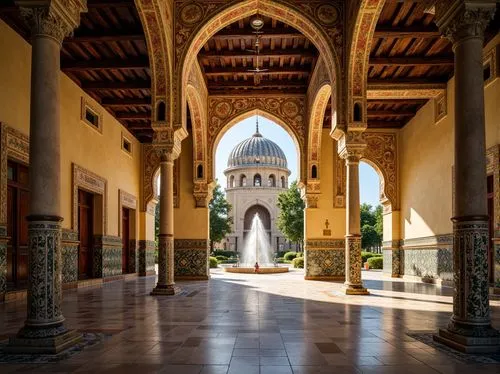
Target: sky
{"x": 369, "y": 179}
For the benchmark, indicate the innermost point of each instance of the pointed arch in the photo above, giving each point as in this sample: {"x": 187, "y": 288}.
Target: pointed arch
{"x": 236, "y": 11}
{"x": 232, "y": 121}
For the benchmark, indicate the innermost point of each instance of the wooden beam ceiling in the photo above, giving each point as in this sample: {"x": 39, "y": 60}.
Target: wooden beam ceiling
{"x": 133, "y": 115}
{"x": 273, "y": 83}
{"x": 416, "y": 31}
{"x": 288, "y": 52}
{"x": 106, "y": 64}
{"x": 230, "y": 71}
{"x": 144, "y": 84}
{"x": 248, "y": 34}
{"x": 412, "y": 61}
{"x": 106, "y": 102}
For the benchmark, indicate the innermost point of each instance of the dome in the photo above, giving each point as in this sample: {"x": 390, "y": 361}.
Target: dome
{"x": 257, "y": 151}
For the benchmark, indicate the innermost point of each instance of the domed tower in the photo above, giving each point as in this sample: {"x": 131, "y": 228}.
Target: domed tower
{"x": 257, "y": 172}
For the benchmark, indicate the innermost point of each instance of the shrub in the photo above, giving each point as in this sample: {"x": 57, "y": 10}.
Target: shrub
{"x": 289, "y": 256}
{"x": 280, "y": 260}
{"x": 220, "y": 252}
{"x": 366, "y": 255}
{"x": 298, "y": 262}
{"x": 376, "y": 262}
{"x": 281, "y": 253}
{"x": 221, "y": 258}
{"x": 213, "y": 262}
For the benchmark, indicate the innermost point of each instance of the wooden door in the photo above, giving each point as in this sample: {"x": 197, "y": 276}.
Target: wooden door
{"x": 491, "y": 216}
{"x": 125, "y": 239}
{"x": 85, "y": 225}
{"x": 17, "y": 225}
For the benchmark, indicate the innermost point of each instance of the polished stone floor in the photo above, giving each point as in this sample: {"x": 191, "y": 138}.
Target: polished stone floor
{"x": 246, "y": 323}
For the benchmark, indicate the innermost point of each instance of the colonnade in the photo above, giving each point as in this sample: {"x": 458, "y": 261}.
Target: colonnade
{"x": 470, "y": 326}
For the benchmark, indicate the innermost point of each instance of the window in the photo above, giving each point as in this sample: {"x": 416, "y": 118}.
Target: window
{"x": 357, "y": 113}
{"x": 231, "y": 181}
{"x": 199, "y": 172}
{"x": 271, "y": 181}
{"x": 487, "y": 71}
{"x": 126, "y": 145}
{"x": 314, "y": 172}
{"x": 257, "y": 180}
{"x": 243, "y": 180}
{"x": 283, "y": 182}
{"x": 161, "y": 111}
{"x": 91, "y": 116}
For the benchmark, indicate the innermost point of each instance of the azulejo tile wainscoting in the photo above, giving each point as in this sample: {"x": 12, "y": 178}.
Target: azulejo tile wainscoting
{"x": 191, "y": 259}
{"x": 70, "y": 242}
{"x": 146, "y": 255}
{"x": 3, "y": 261}
{"x": 325, "y": 259}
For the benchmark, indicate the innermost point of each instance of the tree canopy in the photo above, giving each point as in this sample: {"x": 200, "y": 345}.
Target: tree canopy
{"x": 291, "y": 217}
{"x": 371, "y": 226}
{"x": 220, "y": 221}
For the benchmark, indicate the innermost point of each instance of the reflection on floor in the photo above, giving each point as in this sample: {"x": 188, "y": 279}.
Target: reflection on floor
{"x": 246, "y": 323}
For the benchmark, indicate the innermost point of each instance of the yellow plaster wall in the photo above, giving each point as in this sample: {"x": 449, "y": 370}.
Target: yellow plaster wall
{"x": 426, "y": 160}
{"x": 81, "y": 144}
{"x": 189, "y": 222}
{"x": 315, "y": 217}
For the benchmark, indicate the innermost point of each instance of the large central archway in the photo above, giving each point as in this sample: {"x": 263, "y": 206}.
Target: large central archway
{"x": 288, "y": 14}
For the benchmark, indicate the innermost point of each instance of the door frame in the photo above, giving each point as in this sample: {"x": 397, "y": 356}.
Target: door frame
{"x": 129, "y": 201}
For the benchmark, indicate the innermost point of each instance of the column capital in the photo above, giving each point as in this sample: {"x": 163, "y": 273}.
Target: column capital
{"x": 351, "y": 146}
{"x": 461, "y": 19}
{"x": 202, "y": 192}
{"x": 55, "y": 19}
{"x": 168, "y": 142}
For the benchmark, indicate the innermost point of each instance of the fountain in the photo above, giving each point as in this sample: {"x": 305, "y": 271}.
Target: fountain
{"x": 257, "y": 252}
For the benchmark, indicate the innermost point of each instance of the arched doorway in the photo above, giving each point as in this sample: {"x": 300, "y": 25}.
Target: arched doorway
{"x": 264, "y": 215}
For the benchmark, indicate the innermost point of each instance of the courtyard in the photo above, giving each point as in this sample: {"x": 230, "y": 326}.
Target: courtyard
{"x": 241, "y": 323}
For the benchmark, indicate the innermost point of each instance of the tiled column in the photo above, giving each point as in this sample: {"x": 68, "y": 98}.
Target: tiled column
{"x": 166, "y": 285}
{"x": 469, "y": 330}
{"x": 44, "y": 330}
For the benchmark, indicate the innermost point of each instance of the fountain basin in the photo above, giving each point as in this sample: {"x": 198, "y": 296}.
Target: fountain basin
{"x": 251, "y": 270}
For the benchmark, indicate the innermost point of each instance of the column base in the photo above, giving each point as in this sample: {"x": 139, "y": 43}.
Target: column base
{"x": 469, "y": 344}
{"x": 169, "y": 290}
{"x": 22, "y": 344}
{"x": 350, "y": 289}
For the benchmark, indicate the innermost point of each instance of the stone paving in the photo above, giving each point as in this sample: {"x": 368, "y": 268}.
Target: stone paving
{"x": 246, "y": 323}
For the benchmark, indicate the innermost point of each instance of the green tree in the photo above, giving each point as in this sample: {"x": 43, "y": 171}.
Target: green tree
{"x": 291, "y": 217}
{"x": 220, "y": 221}
{"x": 371, "y": 226}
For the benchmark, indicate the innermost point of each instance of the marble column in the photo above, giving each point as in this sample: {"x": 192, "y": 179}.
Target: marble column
{"x": 44, "y": 330}
{"x": 166, "y": 285}
{"x": 353, "y": 284}
{"x": 469, "y": 329}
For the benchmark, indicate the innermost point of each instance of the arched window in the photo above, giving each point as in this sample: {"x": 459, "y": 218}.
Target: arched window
{"x": 243, "y": 180}
{"x": 231, "y": 181}
{"x": 161, "y": 111}
{"x": 199, "y": 172}
{"x": 271, "y": 182}
{"x": 283, "y": 182}
{"x": 314, "y": 172}
{"x": 257, "y": 180}
{"x": 357, "y": 113}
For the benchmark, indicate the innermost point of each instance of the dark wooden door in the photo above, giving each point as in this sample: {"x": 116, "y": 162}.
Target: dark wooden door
{"x": 17, "y": 225}
{"x": 491, "y": 216}
{"x": 125, "y": 239}
{"x": 85, "y": 225}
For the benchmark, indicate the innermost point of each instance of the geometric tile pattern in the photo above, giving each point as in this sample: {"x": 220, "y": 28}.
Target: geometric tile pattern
{"x": 69, "y": 243}
{"x": 191, "y": 258}
{"x": 325, "y": 259}
{"x": 146, "y": 257}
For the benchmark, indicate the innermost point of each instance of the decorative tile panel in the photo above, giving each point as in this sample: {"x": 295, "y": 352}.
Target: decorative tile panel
{"x": 146, "y": 257}
{"x": 69, "y": 243}
{"x": 325, "y": 258}
{"x": 110, "y": 248}
{"x": 3, "y": 262}
{"x": 191, "y": 257}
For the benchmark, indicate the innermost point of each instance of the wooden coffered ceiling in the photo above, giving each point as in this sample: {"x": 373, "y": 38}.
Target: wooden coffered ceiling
{"x": 107, "y": 56}
{"x": 286, "y": 56}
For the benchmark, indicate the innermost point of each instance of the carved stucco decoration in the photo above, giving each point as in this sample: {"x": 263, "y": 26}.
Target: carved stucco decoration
{"x": 197, "y": 21}
{"x": 156, "y": 21}
{"x": 150, "y": 171}
{"x": 14, "y": 145}
{"x": 289, "y": 111}
{"x": 86, "y": 180}
{"x": 357, "y": 68}
{"x": 382, "y": 153}
{"x": 197, "y": 97}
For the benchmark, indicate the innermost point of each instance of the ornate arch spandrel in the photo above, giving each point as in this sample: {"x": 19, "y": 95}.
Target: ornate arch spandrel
{"x": 366, "y": 17}
{"x": 150, "y": 171}
{"x": 196, "y": 21}
{"x": 156, "y": 18}
{"x": 382, "y": 154}
{"x": 287, "y": 111}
